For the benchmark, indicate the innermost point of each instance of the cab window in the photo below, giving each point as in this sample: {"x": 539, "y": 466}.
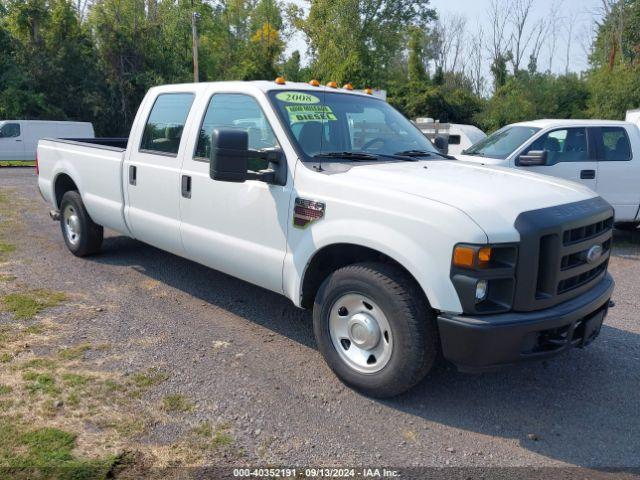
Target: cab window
{"x": 10, "y": 130}
{"x": 615, "y": 144}
{"x": 564, "y": 145}
{"x": 163, "y": 131}
{"x": 231, "y": 111}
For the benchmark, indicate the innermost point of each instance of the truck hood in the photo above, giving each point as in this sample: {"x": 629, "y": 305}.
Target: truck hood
{"x": 492, "y": 196}
{"x": 482, "y": 160}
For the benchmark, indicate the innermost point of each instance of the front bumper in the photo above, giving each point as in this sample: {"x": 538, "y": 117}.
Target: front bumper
{"x": 486, "y": 342}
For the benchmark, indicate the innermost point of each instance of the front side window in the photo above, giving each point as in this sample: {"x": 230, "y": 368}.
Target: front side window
{"x": 234, "y": 111}
{"x": 565, "y": 145}
{"x": 10, "y": 130}
{"x": 615, "y": 143}
{"x": 502, "y": 143}
{"x": 165, "y": 125}
{"x": 322, "y": 123}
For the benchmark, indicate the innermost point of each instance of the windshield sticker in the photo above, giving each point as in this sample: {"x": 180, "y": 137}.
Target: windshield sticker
{"x": 310, "y": 113}
{"x": 297, "y": 97}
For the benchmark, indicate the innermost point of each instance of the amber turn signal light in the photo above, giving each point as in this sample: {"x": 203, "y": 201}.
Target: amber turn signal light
{"x": 469, "y": 257}
{"x": 348, "y": 86}
{"x": 314, "y": 83}
{"x": 464, "y": 257}
{"x": 281, "y": 81}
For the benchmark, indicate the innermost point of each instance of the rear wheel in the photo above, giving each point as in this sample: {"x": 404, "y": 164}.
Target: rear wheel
{"x": 375, "y": 329}
{"x": 81, "y": 234}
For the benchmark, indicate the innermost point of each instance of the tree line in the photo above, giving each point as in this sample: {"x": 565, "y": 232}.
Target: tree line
{"x": 93, "y": 60}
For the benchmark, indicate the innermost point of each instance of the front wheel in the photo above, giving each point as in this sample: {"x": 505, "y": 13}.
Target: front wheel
{"x": 375, "y": 329}
{"x": 81, "y": 234}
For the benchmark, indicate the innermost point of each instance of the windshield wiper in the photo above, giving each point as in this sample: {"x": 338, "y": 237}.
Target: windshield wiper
{"x": 348, "y": 155}
{"x": 422, "y": 153}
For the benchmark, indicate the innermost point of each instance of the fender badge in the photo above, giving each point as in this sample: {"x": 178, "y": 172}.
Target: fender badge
{"x": 307, "y": 211}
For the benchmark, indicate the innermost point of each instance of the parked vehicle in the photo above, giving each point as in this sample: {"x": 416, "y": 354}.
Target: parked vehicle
{"x": 451, "y": 138}
{"x": 19, "y": 138}
{"x": 335, "y": 200}
{"x": 602, "y": 155}
{"x": 462, "y": 137}
{"x": 633, "y": 116}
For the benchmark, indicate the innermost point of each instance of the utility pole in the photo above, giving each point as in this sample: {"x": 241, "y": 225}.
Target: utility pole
{"x": 194, "y": 34}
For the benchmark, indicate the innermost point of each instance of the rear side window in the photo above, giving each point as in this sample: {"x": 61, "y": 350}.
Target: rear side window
{"x": 615, "y": 144}
{"x": 231, "y": 111}
{"x": 165, "y": 125}
{"x": 564, "y": 145}
{"x": 10, "y": 130}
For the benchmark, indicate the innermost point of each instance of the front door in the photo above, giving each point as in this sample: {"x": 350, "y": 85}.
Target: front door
{"x": 570, "y": 155}
{"x": 237, "y": 228}
{"x": 152, "y": 173}
{"x": 11, "y": 141}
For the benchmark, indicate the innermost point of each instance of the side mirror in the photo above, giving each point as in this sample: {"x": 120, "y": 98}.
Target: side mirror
{"x": 534, "y": 158}
{"x": 441, "y": 144}
{"x": 229, "y": 155}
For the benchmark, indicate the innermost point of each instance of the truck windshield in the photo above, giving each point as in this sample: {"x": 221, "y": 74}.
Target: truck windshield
{"x": 502, "y": 143}
{"x": 348, "y": 127}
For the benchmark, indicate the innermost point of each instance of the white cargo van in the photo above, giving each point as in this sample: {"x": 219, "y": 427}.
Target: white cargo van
{"x": 19, "y": 138}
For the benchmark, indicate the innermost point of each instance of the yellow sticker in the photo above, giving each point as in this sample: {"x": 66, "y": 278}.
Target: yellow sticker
{"x": 310, "y": 113}
{"x": 297, "y": 97}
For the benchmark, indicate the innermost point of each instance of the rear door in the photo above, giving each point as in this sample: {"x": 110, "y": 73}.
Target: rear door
{"x": 152, "y": 172}
{"x": 571, "y": 154}
{"x": 12, "y": 141}
{"x": 618, "y": 171}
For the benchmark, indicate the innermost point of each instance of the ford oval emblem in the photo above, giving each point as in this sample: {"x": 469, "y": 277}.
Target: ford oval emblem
{"x": 594, "y": 254}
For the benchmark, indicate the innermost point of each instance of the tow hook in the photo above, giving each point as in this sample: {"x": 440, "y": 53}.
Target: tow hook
{"x": 55, "y": 215}
{"x": 612, "y": 304}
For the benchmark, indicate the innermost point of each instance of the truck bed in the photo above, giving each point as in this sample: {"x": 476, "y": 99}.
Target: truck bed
{"x": 95, "y": 165}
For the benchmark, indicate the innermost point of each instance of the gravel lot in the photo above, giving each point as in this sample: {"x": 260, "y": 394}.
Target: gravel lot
{"x": 247, "y": 357}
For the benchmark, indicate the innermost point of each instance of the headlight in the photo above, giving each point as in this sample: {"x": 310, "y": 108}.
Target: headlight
{"x": 484, "y": 276}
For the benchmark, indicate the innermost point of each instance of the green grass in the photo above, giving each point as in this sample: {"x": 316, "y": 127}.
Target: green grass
{"x": 75, "y": 380}
{"x": 5, "y": 389}
{"x": 17, "y": 163}
{"x": 40, "y": 382}
{"x": 29, "y": 304}
{"x": 149, "y": 378}
{"x": 5, "y": 357}
{"x": 6, "y": 248}
{"x": 216, "y": 438}
{"x": 6, "y": 277}
{"x": 176, "y": 403}
{"x": 45, "y": 453}
{"x": 40, "y": 364}
{"x": 74, "y": 353}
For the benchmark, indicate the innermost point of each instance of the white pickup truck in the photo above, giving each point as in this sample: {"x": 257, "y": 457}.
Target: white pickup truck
{"x": 602, "y": 155}
{"x": 335, "y": 200}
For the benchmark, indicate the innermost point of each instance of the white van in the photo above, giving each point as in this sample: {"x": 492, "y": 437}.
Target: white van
{"x": 462, "y": 137}
{"x": 19, "y": 138}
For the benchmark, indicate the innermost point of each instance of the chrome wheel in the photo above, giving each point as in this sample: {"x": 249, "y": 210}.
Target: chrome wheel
{"x": 71, "y": 223}
{"x": 360, "y": 333}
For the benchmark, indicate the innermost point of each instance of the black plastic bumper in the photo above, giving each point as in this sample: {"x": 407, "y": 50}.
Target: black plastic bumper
{"x": 486, "y": 342}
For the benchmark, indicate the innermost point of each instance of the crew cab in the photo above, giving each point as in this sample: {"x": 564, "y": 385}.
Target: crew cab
{"x": 335, "y": 200}
{"x": 602, "y": 155}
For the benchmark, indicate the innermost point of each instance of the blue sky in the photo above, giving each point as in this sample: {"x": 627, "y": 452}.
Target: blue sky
{"x": 580, "y": 13}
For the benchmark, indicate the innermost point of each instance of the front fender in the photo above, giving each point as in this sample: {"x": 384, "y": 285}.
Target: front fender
{"x": 423, "y": 248}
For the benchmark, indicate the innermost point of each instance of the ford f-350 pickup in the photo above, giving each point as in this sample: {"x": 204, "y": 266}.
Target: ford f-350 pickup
{"x": 335, "y": 200}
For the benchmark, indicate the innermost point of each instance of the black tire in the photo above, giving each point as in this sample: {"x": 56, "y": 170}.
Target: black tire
{"x": 628, "y": 227}
{"x": 412, "y": 321}
{"x": 90, "y": 235}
